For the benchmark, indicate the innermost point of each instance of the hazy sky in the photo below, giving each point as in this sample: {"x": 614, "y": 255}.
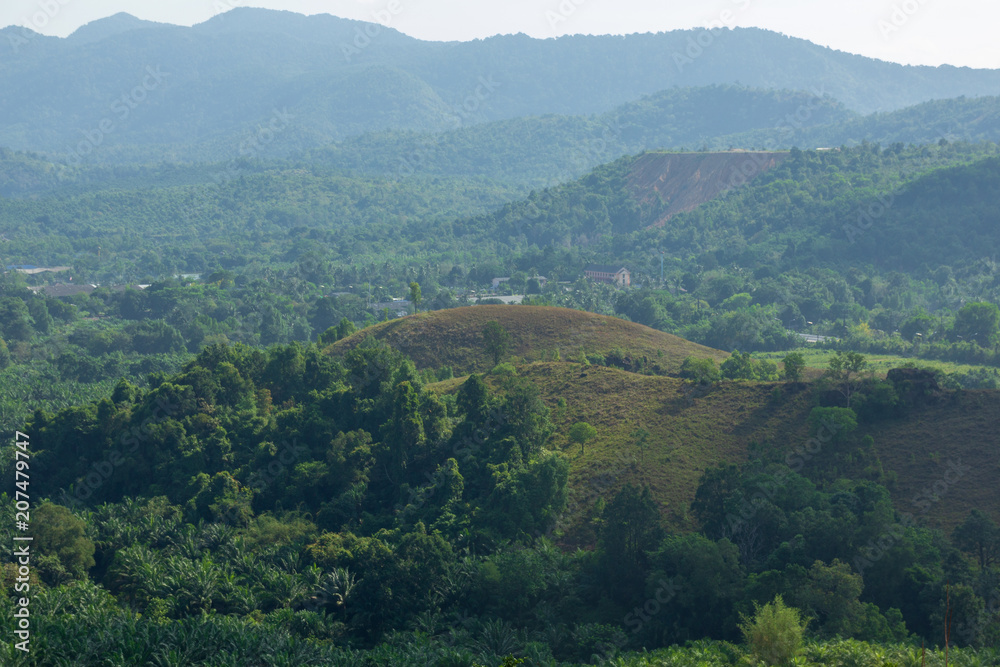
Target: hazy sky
{"x": 919, "y": 32}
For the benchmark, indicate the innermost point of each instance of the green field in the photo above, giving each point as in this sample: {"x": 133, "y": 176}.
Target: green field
{"x": 879, "y": 363}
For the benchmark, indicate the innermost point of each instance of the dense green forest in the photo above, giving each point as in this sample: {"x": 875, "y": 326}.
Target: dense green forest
{"x": 287, "y": 503}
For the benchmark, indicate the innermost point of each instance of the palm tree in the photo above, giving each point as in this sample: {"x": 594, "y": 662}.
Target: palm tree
{"x": 337, "y": 586}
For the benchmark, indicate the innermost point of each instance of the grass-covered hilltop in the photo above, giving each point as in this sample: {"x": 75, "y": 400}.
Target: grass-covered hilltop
{"x": 322, "y": 344}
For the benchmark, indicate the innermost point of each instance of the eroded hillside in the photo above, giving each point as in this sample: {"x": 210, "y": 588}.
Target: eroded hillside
{"x": 685, "y": 180}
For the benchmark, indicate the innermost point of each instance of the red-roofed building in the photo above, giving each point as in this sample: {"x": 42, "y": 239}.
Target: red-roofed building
{"x": 609, "y": 273}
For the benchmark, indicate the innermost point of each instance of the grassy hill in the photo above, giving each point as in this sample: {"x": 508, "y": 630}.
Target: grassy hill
{"x": 453, "y": 337}
{"x": 690, "y": 429}
{"x": 694, "y": 428}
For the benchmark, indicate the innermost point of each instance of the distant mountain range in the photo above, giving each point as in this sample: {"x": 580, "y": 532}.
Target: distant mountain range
{"x": 252, "y": 82}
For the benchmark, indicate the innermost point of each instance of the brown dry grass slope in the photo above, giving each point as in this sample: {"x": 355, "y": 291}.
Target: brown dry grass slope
{"x": 454, "y": 337}
{"x": 959, "y": 433}
{"x": 691, "y": 429}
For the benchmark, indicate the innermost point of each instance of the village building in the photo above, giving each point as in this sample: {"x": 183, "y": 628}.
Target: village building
{"x": 609, "y": 273}
{"x": 397, "y": 307}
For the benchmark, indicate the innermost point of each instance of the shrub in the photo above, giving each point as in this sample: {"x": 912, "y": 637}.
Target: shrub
{"x": 774, "y": 635}
{"x": 741, "y": 366}
{"x": 794, "y": 363}
{"x": 61, "y": 535}
{"x": 702, "y": 371}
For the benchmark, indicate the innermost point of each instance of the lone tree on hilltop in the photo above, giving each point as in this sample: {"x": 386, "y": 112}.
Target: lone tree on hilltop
{"x": 496, "y": 340}
{"x": 415, "y": 296}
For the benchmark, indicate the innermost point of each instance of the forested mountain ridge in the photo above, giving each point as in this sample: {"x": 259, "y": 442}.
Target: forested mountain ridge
{"x": 959, "y": 119}
{"x": 548, "y": 150}
{"x": 538, "y": 151}
{"x": 521, "y": 152}
{"x": 167, "y": 90}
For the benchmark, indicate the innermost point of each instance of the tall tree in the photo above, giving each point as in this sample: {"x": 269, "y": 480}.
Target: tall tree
{"x": 403, "y": 434}
{"x": 845, "y": 370}
{"x": 415, "y": 296}
{"x": 496, "y": 340}
{"x": 979, "y": 535}
{"x": 580, "y": 433}
{"x": 630, "y": 530}
{"x": 978, "y": 322}
{"x": 61, "y": 536}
